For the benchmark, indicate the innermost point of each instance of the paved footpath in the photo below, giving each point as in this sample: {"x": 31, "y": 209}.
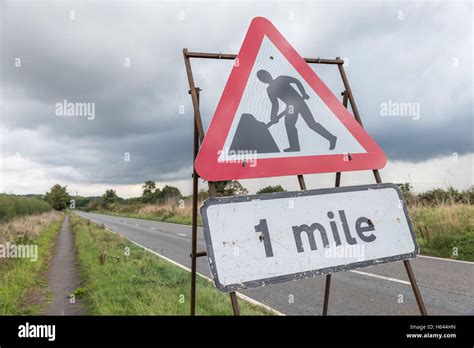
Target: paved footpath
{"x": 63, "y": 277}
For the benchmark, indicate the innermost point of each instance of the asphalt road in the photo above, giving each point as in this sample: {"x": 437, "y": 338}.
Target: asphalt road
{"x": 447, "y": 286}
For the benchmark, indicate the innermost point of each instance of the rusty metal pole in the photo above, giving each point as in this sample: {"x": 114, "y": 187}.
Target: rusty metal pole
{"x": 235, "y": 303}
{"x": 302, "y": 182}
{"x": 327, "y": 286}
{"x": 228, "y": 56}
{"x": 378, "y": 179}
{"x": 199, "y": 136}
{"x": 414, "y": 286}
{"x": 348, "y": 92}
{"x": 194, "y": 217}
{"x": 406, "y": 263}
{"x": 194, "y": 95}
{"x": 233, "y": 295}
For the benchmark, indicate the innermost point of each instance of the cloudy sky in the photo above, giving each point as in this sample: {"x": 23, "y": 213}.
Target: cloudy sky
{"x": 126, "y": 59}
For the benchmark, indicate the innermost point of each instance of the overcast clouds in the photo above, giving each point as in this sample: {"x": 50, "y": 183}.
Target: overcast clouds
{"x": 417, "y": 52}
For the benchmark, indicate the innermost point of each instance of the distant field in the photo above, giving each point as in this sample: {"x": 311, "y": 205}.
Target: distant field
{"x": 120, "y": 278}
{"x": 12, "y": 206}
{"x": 443, "y": 230}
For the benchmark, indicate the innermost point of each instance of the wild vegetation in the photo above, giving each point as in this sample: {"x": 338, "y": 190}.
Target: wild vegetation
{"x": 12, "y": 206}
{"x": 23, "y": 280}
{"x": 58, "y": 197}
{"x": 445, "y": 230}
{"x": 120, "y": 278}
{"x": 271, "y": 189}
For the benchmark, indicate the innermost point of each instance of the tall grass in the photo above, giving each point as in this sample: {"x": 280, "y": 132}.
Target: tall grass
{"x": 23, "y": 282}
{"x": 171, "y": 211}
{"x": 25, "y": 229}
{"x": 14, "y": 206}
{"x": 445, "y": 230}
{"x": 120, "y": 278}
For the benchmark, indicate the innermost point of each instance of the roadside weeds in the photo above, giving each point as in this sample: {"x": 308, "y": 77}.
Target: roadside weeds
{"x": 23, "y": 283}
{"x": 121, "y": 278}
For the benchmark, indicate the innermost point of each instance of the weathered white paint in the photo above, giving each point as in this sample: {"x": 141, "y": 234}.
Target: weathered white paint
{"x": 237, "y": 255}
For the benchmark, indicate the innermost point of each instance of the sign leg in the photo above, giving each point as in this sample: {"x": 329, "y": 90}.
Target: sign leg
{"x": 194, "y": 217}
{"x": 411, "y": 275}
{"x": 414, "y": 286}
{"x": 327, "y": 287}
{"x": 302, "y": 182}
{"x": 194, "y": 228}
{"x": 235, "y": 303}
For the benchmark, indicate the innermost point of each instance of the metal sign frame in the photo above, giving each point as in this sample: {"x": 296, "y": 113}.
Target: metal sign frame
{"x": 347, "y": 97}
{"x": 306, "y": 274}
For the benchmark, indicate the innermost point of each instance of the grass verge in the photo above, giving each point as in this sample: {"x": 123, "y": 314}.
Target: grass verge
{"x": 22, "y": 281}
{"x": 120, "y": 278}
{"x": 175, "y": 219}
{"x": 445, "y": 230}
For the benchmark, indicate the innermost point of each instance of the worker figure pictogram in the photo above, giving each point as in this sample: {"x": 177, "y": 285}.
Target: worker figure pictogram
{"x": 281, "y": 88}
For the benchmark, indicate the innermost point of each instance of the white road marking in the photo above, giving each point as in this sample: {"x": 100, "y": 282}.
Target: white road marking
{"x": 443, "y": 259}
{"x": 240, "y": 295}
{"x": 181, "y": 234}
{"x": 382, "y": 277}
{"x": 153, "y": 228}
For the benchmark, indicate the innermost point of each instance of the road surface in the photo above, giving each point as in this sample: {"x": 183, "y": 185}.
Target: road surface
{"x": 447, "y": 286}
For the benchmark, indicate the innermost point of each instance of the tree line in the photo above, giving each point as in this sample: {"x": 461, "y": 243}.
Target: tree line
{"x": 59, "y": 199}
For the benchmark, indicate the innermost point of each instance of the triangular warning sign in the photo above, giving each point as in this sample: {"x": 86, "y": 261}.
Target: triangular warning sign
{"x": 276, "y": 117}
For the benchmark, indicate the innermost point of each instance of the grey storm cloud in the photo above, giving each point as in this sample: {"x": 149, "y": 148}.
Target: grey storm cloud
{"x": 401, "y": 52}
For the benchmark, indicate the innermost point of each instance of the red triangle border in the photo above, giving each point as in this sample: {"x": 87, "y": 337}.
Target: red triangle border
{"x": 206, "y": 163}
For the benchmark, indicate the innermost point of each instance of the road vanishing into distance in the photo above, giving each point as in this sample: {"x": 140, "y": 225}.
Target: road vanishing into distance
{"x": 447, "y": 286}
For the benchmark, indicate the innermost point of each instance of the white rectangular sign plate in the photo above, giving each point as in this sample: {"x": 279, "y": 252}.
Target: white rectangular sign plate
{"x": 262, "y": 239}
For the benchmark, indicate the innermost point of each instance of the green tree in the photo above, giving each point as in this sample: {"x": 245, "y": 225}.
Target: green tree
{"x": 202, "y": 195}
{"x": 169, "y": 193}
{"x": 407, "y": 192}
{"x": 81, "y": 202}
{"x": 92, "y": 205}
{"x": 230, "y": 188}
{"x": 148, "y": 194}
{"x": 58, "y": 197}
{"x": 109, "y": 197}
{"x": 157, "y": 195}
{"x": 270, "y": 189}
